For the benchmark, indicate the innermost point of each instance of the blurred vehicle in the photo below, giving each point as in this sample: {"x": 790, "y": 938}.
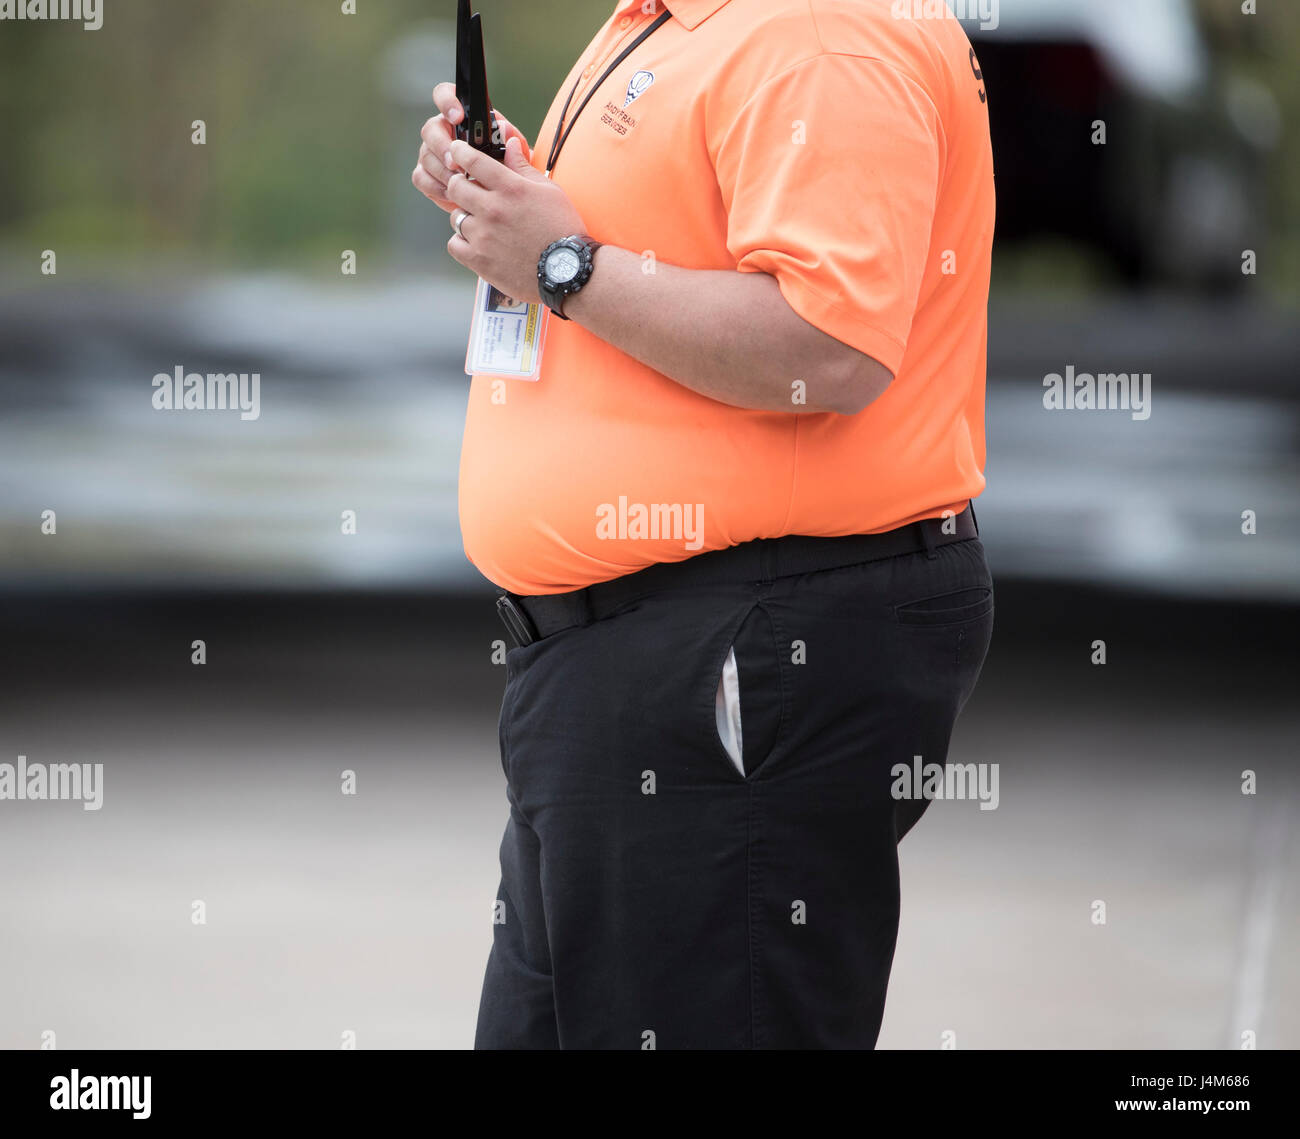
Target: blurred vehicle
{"x": 1177, "y": 192}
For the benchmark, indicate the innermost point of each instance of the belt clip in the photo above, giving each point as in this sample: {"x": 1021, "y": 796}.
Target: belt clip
{"x": 927, "y": 536}
{"x": 516, "y": 621}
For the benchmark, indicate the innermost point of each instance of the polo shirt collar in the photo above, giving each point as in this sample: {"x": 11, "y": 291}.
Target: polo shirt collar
{"x": 689, "y": 13}
{"x": 692, "y": 13}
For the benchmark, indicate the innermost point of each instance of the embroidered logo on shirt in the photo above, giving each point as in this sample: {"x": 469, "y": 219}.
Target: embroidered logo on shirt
{"x": 617, "y": 119}
{"x": 639, "y": 85}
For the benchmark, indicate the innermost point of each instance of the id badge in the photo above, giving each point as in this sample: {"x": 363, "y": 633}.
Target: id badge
{"x": 506, "y": 337}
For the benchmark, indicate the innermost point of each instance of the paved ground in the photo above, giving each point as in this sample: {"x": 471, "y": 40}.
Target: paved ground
{"x": 371, "y": 914}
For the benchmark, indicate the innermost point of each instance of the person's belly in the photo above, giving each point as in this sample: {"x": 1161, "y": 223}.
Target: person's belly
{"x": 603, "y": 467}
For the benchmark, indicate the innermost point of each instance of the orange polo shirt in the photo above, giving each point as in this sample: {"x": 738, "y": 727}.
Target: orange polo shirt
{"x": 841, "y": 146}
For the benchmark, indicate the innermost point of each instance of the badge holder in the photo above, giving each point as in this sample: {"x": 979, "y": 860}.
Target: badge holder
{"x": 506, "y": 336}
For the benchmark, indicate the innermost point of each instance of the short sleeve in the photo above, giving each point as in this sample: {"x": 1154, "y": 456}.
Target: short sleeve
{"x": 829, "y": 174}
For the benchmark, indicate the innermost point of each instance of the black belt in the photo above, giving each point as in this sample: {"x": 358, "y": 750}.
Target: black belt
{"x": 530, "y": 619}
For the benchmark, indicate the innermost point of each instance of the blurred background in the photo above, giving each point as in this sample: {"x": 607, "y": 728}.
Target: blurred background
{"x": 373, "y": 652}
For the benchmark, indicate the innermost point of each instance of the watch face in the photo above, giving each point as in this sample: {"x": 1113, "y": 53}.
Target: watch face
{"x": 562, "y": 266}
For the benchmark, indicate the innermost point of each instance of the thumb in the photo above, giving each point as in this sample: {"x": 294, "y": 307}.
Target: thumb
{"x": 516, "y": 161}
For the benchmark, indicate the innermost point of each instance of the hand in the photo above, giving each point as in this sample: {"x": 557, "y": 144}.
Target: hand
{"x": 431, "y": 172}
{"x": 514, "y": 213}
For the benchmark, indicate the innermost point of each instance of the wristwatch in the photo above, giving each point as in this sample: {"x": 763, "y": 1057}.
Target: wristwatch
{"x": 564, "y": 269}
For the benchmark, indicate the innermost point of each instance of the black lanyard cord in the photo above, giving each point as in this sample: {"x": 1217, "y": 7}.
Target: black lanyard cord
{"x": 562, "y": 135}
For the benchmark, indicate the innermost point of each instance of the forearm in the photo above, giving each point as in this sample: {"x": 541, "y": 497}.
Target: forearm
{"x": 730, "y": 336}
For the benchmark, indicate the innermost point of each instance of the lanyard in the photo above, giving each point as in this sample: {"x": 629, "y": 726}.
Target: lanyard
{"x": 562, "y": 135}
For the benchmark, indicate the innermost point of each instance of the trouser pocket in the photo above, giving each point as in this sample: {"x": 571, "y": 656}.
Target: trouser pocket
{"x": 952, "y": 608}
{"x": 726, "y": 712}
{"x": 748, "y": 700}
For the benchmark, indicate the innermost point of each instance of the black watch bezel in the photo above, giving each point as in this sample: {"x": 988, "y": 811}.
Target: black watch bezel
{"x": 553, "y": 293}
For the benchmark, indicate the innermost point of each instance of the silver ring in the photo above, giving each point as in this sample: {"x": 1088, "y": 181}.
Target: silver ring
{"x": 458, "y": 220}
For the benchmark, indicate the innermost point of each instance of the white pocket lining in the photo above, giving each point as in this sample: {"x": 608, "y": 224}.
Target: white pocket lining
{"x": 726, "y": 711}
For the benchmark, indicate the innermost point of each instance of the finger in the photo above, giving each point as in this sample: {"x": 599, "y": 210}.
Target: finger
{"x": 433, "y": 164}
{"x": 470, "y": 196}
{"x": 484, "y": 170}
{"x": 431, "y": 189}
{"x": 437, "y": 134}
{"x": 516, "y": 160}
{"x": 459, "y": 249}
{"x": 509, "y": 130}
{"x": 444, "y": 98}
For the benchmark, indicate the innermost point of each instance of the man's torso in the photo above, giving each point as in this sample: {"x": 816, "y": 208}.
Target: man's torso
{"x": 604, "y": 466}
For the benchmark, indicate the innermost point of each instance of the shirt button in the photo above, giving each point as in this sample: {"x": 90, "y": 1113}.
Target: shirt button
{"x": 625, "y": 22}
{"x": 589, "y": 73}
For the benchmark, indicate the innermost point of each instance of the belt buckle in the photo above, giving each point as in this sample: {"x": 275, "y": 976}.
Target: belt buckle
{"x": 516, "y": 621}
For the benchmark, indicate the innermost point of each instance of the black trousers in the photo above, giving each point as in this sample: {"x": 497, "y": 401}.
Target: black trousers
{"x": 652, "y": 895}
